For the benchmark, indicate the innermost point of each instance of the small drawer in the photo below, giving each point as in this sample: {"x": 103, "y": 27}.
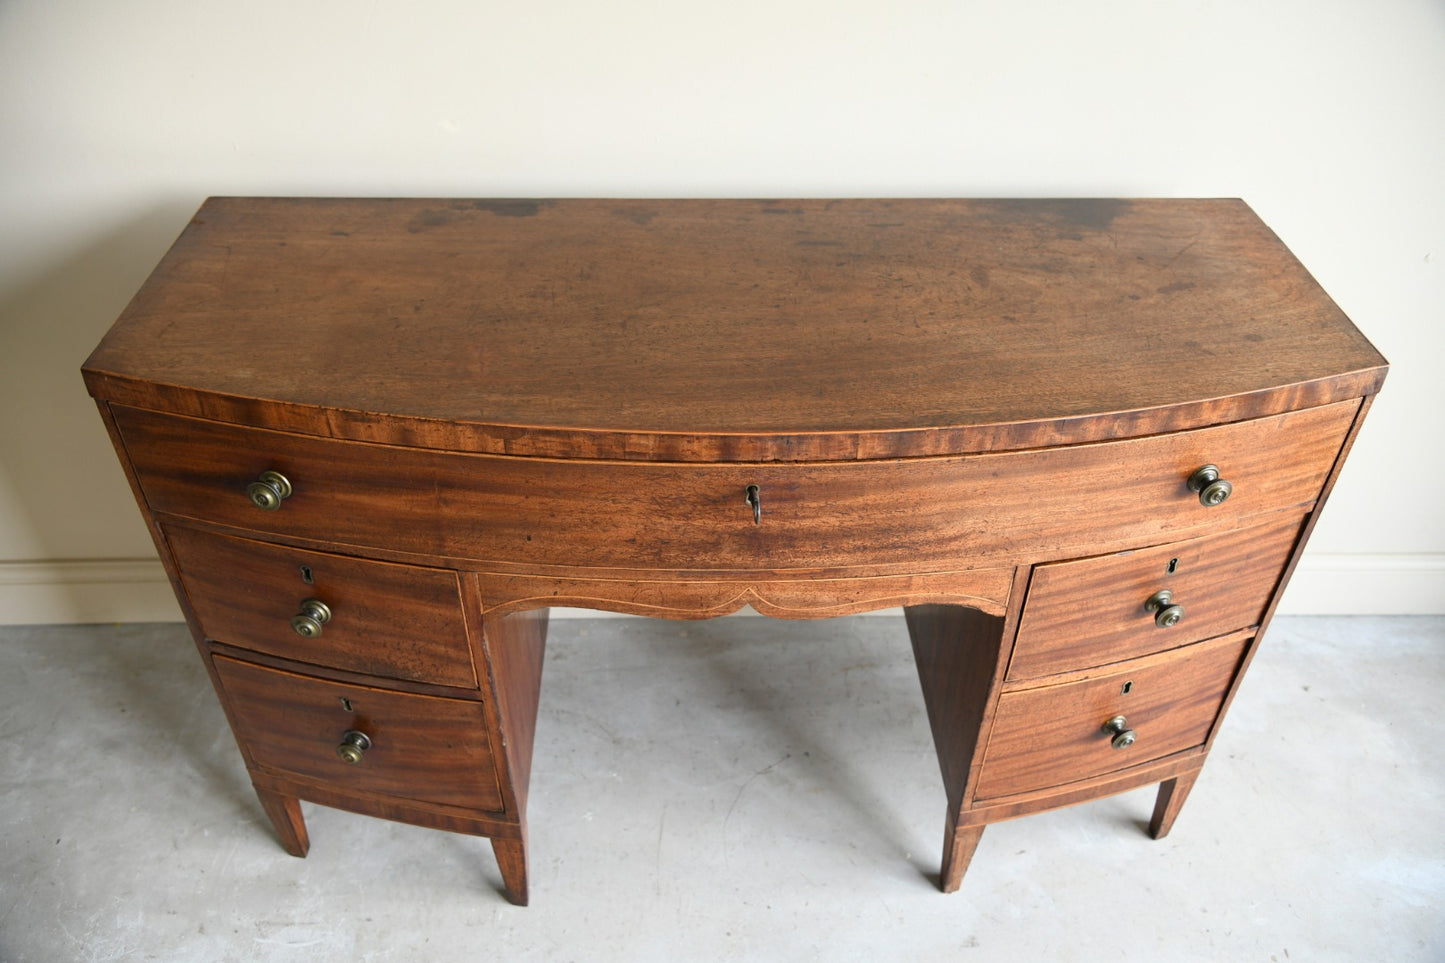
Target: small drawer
{"x": 392, "y": 621}
{"x": 1054, "y": 735}
{"x": 423, "y": 748}
{"x": 1094, "y": 611}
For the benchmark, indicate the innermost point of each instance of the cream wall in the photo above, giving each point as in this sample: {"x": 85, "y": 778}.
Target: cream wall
{"x": 117, "y": 118}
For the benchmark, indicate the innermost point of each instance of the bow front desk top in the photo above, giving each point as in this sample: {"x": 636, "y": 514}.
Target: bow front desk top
{"x": 1082, "y": 442}
{"x": 733, "y": 330}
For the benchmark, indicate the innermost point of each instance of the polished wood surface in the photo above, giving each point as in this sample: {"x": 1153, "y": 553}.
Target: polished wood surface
{"x": 285, "y": 815}
{"x": 1052, "y": 734}
{"x": 422, "y": 747}
{"x": 985, "y": 412}
{"x": 716, "y": 330}
{"x": 1167, "y": 805}
{"x": 959, "y": 653}
{"x": 819, "y": 596}
{"x": 875, "y": 515}
{"x": 516, "y": 644}
{"x": 1091, "y": 611}
{"x": 387, "y": 620}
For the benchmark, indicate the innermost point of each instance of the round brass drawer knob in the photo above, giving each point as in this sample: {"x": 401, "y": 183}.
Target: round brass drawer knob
{"x": 1118, "y": 727}
{"x": 1166, "y": 612}
{"x": 1211, "y": 488}
{"x": 269, "y": 490}
{"x": 354, "y": 744}
{"x": 313, "y": 615}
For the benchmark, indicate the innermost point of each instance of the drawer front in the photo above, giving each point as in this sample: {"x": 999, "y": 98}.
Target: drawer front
{"x": 530, "y": 511}
{"x": 422, "y": 748}
{"x": 1053, "y": 735}
{"x": 1092, "y": 611}
{"x": 392, "y": 621}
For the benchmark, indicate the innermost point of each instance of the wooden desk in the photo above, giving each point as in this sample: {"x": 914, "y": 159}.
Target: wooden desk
{"x": 375, "y": 439}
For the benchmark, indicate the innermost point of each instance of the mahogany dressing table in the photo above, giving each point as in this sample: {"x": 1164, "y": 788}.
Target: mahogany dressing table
{"x": 1081, "y": 443}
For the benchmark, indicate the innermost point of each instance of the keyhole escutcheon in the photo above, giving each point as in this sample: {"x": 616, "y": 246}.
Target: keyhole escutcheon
{"x": 754, "y": 498}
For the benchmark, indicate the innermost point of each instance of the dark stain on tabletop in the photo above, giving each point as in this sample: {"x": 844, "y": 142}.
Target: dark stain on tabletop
{"x": 1078, "y": 213}
{"x": 502, "y": 207}
{"x": 429, "y": 218}
{"x": 641, "y": 216}
{"x": 1095, "y": 213}
{"x": 510, "y": 206}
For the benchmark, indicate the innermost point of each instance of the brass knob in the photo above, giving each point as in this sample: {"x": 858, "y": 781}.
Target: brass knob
{"x": 1211, "y": 488}
{"x": 354, "y": 744}
{"x": 1166, "y": 613}
{"x": 1123, "y": 736}
{"x": 269, "y": 490}
{"x": 313, "y": 615}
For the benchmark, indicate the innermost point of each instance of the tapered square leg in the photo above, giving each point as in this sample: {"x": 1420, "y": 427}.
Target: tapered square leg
{"x": 285, "y": 815}
{"x": 1172, "y": 793}
{"x": 512, "y": 861}
{"x": 958, "y": 652}
{"x": 958, "y": 847}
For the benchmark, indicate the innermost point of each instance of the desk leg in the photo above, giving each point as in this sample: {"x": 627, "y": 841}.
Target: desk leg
{"x": 512, "y": 861}
{"x": 285, "y": 815}
{"x": 515, "y": 645}
{"x": 958, "y": 847}
{"x": 1172, "y": 793}
{"x": 958, "y": 651}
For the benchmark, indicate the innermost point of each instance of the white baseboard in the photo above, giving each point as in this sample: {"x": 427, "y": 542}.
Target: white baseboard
{"x": 136, "y": 590}
{"x": 1366, "y": 585}
{"x": 103, "y": 590}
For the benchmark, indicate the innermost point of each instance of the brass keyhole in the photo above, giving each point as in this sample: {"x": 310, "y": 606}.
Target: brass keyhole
{"x": 754, "y": 498}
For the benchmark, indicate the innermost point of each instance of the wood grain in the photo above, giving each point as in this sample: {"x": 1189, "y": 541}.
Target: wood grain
{"x": 391, "y": 621}
{"x": 417, "y": 812}
{"x": 957, "y": 653}
{"x": 916, "y": 513}
{"x": 716, "y": 330}
{"x": 1091, "y": 611}
{"x": 489, "y": 407}
{"x": 285, "y": 815}
{"x": 960, "y": 653}
{"x": 423, "y": 747}
{"x": 1153, "y": 773}
{"x": 1051, "y": 735}
{"x": 1170, "y": 800}
{"x": 984, "y": 589}
{"x": 516, "y": 645}
{"x": 1309, "y": 526}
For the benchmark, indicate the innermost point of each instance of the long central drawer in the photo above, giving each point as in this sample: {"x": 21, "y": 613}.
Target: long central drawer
{"x": 574, "y": 513}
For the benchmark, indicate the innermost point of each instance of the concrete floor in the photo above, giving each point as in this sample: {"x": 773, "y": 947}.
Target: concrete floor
{"x": 736, "y": 789}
